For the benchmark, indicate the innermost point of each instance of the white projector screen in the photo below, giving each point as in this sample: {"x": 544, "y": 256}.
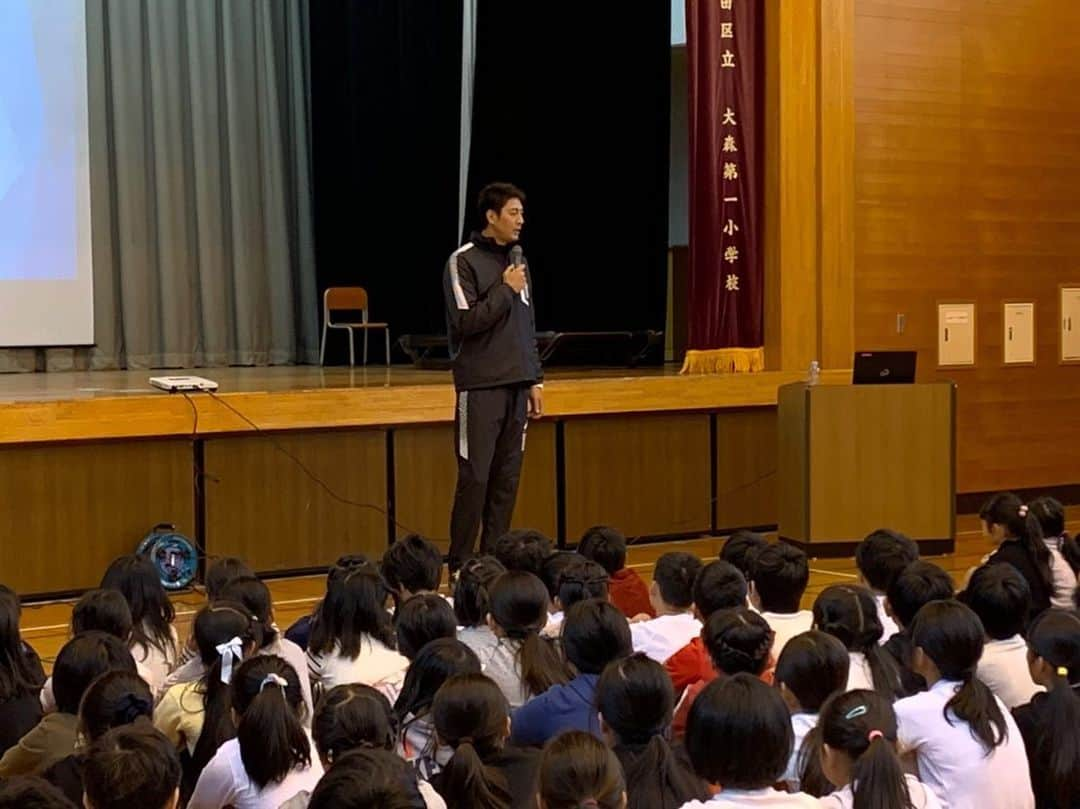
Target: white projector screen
{"x": 46, "y": 280}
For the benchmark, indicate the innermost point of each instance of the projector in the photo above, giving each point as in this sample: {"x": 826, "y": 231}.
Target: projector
{"x": 175, "y": 384}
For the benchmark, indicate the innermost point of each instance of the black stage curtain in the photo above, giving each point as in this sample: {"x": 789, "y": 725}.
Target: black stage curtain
{"x": 386, "y": 110}
{"x": 572, "y": 105}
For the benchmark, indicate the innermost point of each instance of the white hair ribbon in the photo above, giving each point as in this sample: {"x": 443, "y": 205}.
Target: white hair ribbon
{"x": 230, "y": 652}
{"x": 274, "y": 679}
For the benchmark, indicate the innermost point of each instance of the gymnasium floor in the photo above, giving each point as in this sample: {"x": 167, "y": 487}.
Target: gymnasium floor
{"x": 45, "y": 626}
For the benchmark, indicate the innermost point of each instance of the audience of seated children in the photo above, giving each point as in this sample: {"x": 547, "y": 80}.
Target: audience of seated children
{"x": 352, "y": 718}
{"x": 859, "y": 756}
{"x": 300, "y": 630}
{"x": 740, "y": 547}
{"x": 352, "y": 636}
{"x": 1050, "y": 723}
{"x": 522, "y": 663}
{"x": 577, "y": 770}
{"x": 437, "y": 662}
{"x": 849, "y": 614}
{"x": 672, "y": 597}
{"x": 411, "y": 566}
{"x": 524, "y": 550}
{"x": 880, "y": 558}
{"x": 472, "y": 588}
{"x": 636, "y": 703}
{"x": 197, "y": 716}
{"x": 21, "y": 676}
{"x": 272, "y": 757}
{"x": 966, "y": 745}
{"x": 812, "y": 667}
{"x": 739, "y": 739}
{"x": 368, "y": 779}
{"x": 738, "y": 641}
{"x": 485, "y": 772}
{"x": 81, "y": 660}
{"x": 421, "y": 619}
{"x": 718, "y": 585}
{"x": 154, "y": 642}
{"x": 999, "y": 595}
{"x": 920, "y": 583}
{"x": 1015, "y": 528}
{"x": 628, "y": 591}
{"x": 580, "y": 580}
{"x": 1064, "y": 550}
{"x": 779, "y": 574}
{"x": 131, "y": 767}
{"x": 97, "y": 611}
{"x": 115, "y": 699}
{"x": 594, "y": 634}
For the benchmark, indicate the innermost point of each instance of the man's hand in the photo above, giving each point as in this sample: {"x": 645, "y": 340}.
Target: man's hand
{"x": 536, "y": 401}
{"x": 514, "y": 277}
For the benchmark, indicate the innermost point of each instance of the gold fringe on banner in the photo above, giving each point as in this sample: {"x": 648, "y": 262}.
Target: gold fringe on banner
{"x": 724, "y": 361}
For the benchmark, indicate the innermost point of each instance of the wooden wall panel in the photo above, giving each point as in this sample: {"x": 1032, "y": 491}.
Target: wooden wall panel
{"x": 649, "y": 475}
{"x": 261, "y": 506}
{"x": 968, "y": 186}
{"x": 425, "y": 473}
{"x": 67, "y": 511}
{"x": 746, "y": 456}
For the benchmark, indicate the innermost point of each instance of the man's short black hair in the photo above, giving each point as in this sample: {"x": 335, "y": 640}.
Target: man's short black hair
{"x": 780, "y": 573}
{"x": 882, "y": 555}
{"x": 674, "y": 576}
{"x": 131, "y": 767}
{"x": 494, "y": 196}
{"x": 1001, "y": 597}
{"x": 740, "y": 546}
{"x": 718, "y": 586}
{"x": 606, "y": 546}
{"x": 917, "y": 585}
{"x": 413, "y": 563}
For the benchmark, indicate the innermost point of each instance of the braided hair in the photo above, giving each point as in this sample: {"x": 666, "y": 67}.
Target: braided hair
{"x": 738, "y": 640}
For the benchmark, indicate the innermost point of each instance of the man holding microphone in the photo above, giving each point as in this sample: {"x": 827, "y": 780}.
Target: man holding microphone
{"x": 497, "y": 373}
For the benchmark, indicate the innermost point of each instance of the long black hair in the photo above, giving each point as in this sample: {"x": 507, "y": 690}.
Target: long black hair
{"x": 850, "y": 615}
{"x": 1051, "y": 516}
{"x": 1020, "y": 523}
{"x": 636, "y": 700}
{"x": 519, "y": 605}
{"x": 267, "y": 697}
{"x": 254, "y": 595}
{"x": 20, "y": 670}
{"x": 471, "y": 592}
{"x": 1055, "y": 637}
{"x": 951, "y": 636}
{"x": 862, "y": 725}
{"x": 217, "y": 624}
{"x": 152, "y": 613}
{"x": 471, "y": 716}
{"x": 352, "y": 716}
{"x": 354, "y": 609}
{"x": 438, "y": 661}
{"x": 114, "y": 699}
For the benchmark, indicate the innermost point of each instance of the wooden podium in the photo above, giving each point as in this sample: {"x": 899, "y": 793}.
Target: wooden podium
{"x": 854, "y": 458}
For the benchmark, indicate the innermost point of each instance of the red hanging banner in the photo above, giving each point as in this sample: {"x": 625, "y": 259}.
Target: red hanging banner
{"x": 726, "y": 296}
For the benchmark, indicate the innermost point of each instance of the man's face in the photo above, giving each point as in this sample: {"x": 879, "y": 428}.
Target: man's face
{"x": 506, "y": 227}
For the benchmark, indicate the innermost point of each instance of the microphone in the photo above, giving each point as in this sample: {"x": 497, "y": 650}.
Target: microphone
{"x": 515, "y": 255}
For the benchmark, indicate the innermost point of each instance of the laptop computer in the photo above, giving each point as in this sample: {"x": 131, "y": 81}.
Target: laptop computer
{"x": 884, "y": 368}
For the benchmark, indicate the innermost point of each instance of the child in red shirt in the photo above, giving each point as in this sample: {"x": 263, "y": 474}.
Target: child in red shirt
{"x": 626, "y": 589}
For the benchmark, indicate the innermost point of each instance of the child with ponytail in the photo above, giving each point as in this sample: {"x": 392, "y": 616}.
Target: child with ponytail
{"x": 967, "y": 746}
{"x": 858, "y": 755}
{"x": 272, "y": 757}
{"x": 1050, "y": 723}
{"x": 578, "y": 772}
{"x": 1011, "y": 524}
{"x": 1064, "y": 550}
{"x": 523, "y": 664}
{"x": 472, "y": 598}
{"x": 850, "y": 615}
{"x": 472, "y": 718}
{"x": 636, "y": 701}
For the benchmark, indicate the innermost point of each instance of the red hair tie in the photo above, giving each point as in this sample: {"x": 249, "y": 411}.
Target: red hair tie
{"x": 874, "y": 734}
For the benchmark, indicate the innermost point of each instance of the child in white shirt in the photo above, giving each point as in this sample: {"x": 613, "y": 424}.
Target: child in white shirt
{"x": 881, "y": 557}
{"x": 779, "y": 574}
{"x": 672, "y": 598}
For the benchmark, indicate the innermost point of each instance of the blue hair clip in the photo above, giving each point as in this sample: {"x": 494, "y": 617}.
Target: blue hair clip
{"x": 857, "y": 711}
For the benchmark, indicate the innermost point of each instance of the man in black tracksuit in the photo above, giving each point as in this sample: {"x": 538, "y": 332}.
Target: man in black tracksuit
{"x": 497, "y": 373}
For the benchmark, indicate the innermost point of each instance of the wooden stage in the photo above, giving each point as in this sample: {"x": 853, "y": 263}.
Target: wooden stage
{"x": 291, "y": 467}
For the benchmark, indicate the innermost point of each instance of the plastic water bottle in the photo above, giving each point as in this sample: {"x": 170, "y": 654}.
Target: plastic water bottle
{"x": 813, "y": 376}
